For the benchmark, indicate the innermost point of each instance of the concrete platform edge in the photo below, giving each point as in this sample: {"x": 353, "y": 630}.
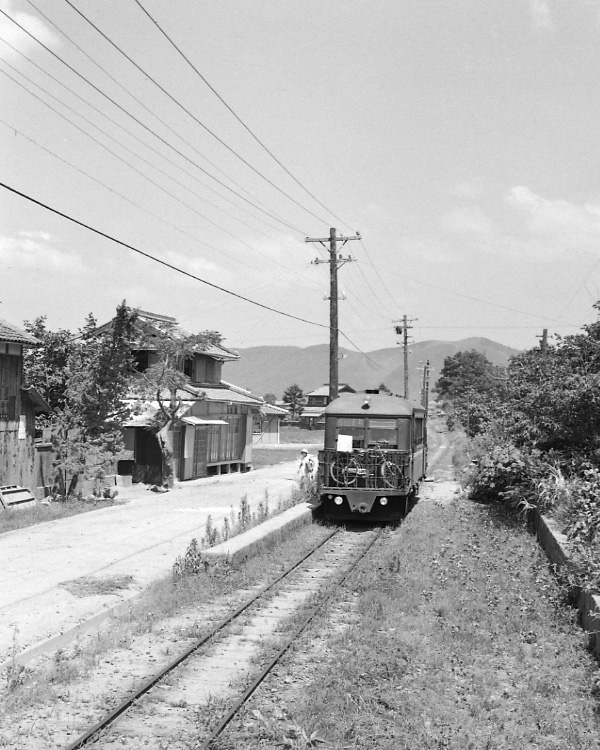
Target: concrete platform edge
{"x": 240, "y": 548}
{"x": 556, "y": 546}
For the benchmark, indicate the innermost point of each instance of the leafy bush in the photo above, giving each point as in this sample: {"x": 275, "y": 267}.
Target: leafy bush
{"x": 508, "y": 475}
{"x": 191, "y": 563}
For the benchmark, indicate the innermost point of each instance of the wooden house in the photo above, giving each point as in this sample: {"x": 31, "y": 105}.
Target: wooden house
{"x": 19, "y": 405}
{"x": 312, "y": 415}
{"x": 212, "y": 432}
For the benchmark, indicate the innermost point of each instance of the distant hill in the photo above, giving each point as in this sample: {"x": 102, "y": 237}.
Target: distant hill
{"x": 271, "y": 369}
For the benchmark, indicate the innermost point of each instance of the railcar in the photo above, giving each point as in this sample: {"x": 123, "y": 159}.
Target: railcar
{"x": 374, "y": 456}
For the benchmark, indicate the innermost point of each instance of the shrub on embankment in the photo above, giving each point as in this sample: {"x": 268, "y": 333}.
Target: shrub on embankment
{"x": 539, "y": 444}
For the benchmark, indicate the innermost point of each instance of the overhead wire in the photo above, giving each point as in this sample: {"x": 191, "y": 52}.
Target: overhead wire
{"x": 148, "y": 129}
{"x": 175, "y": 268}
{"x": 382, "y": 281}
{"x": 191, "y": 114}
{"x": 155, "y": 259}
{"x": 142, "y": 208}
{"x": 119, "y": 143}
{"x": 468, "y": 296}
{"x": 133, "y": 96}
{"x": 144, "y": 176}
{"x": 237, "y": 117}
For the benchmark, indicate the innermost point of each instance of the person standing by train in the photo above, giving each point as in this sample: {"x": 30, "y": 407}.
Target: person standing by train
{"x": 307, "y": 471}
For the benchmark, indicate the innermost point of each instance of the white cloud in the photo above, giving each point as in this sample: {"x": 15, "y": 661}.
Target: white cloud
{"x": 10, "y": 32}
{"x": 33, "y": 250}
{"x": 557, "y": 220}
{"x": 541, "y": 15}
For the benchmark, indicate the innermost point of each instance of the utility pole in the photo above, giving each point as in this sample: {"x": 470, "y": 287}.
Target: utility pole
{"x": 543, "y": 340}
{"x": 335, "y": 261}
{"x": 403, "y": 330}
{"x": 425, "y": 388}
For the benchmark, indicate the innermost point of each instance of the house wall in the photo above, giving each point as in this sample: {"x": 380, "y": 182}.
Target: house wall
{"x": 267, "y": 430}
{"x": 17, "y": 426}
{"x": 206, "y": 369}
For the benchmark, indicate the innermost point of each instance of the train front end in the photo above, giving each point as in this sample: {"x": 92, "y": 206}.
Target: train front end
{"x": 373, "y": 459}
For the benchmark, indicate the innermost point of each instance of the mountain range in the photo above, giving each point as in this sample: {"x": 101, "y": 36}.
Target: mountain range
{"x": 272, "y": 369}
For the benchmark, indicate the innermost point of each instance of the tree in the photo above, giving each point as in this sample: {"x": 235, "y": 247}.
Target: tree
{"x": 295, "y": 398}
{"x": 165, "y": 381}
{"x": 84, "y": 378}
{"x": 270, "y": 398}
{"x": 46, "y": 367}
{"x": 468, "y": 384}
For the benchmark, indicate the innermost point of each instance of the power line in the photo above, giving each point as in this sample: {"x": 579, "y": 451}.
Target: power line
{"x": 468, "y": 296}
{"x": 145, "y": 127}
{"x": 133, "y": 96}
{"x": 199, "y": 122}
{"x": 237, "y": 117}
{"x": 383, "y": 284}
{"x": 137, "y": 171}
{"x": 158, "y": 260}
{"x": 126, "y": 148}
{"x": 175, "y": 268}
{"x": 142, "y": 208}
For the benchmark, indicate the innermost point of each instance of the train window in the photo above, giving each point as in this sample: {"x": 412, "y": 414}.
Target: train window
{"x": 418, "y": 433}
{"x": 352, "y": 426}
{"x": 383, "y": 432}
{"x": 404, "y": 434}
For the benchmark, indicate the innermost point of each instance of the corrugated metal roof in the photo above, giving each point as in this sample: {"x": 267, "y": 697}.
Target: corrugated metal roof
{"x": 272, "y": 409}
{"x": 312, "y": 411}
{"x": 14, "y": 335}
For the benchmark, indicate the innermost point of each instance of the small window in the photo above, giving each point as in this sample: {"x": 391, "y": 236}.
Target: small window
{"x": 383, "y": 432}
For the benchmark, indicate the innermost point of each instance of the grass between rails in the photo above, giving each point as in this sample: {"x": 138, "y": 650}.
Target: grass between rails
{"x": 462, "y": 642}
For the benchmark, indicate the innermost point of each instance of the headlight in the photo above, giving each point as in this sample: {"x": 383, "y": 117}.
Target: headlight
{"x": 338, "y": 500}
{"x": 383, "y": 500}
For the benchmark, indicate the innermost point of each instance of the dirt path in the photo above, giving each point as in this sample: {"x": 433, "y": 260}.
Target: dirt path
{"x": 140, "y": 538}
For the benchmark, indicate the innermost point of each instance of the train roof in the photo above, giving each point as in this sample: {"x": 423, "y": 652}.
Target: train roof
{"x": 372, "y": 405}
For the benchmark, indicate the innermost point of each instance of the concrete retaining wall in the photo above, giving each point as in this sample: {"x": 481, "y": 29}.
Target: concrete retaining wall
{"x": 238, "y": 549}
{"x": 556, "y": 546}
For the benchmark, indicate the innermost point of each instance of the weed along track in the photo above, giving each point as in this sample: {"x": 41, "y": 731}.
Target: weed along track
{"x": 194, "y": 697}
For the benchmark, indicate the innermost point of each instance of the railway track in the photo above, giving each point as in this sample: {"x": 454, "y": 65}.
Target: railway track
{"x": 226, "y": 666}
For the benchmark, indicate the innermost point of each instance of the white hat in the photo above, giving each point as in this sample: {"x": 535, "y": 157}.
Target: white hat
{"x": 304, "y": 451}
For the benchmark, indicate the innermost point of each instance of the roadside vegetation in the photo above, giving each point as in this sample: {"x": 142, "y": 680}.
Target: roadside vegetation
{"x": 534, "y": 434}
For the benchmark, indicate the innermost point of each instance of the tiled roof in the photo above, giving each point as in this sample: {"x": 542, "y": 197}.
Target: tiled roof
{"x": 226, "y": 394}
{"x": 14, "y": 335}
{"x": 324, "y": 390}
{"x": 151, "y": 324}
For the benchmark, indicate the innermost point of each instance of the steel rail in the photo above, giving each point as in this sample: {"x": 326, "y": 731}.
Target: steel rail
{"x": 92, "y": 732}
{"x": 302, "y": 627}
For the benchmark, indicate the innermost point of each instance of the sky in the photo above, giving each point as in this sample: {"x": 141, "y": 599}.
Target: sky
{"x": 460, "y": 139}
